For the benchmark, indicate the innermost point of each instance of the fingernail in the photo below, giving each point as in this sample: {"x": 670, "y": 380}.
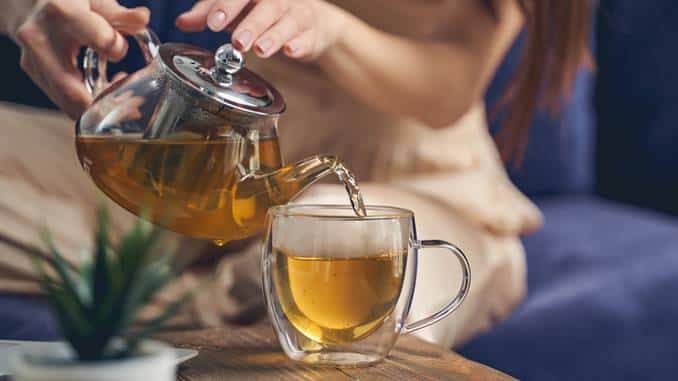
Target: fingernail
{"x": 119, "y": 48}
{"x": 264, "y": 46}
{"x": 217, "y": 21}
{"x": 292, "y": 48}
{"x": 243, "y": 39}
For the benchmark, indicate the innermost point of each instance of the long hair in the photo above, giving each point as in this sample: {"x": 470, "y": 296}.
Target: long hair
{"x": 556, "y": 48}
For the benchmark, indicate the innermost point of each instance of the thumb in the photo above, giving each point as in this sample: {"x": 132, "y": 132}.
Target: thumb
{"x": 128, "y": 20}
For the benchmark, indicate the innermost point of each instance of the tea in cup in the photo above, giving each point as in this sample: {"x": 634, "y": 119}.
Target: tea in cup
{"x": 339, "y": 286}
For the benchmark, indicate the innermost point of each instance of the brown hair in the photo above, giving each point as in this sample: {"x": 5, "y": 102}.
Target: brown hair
{"x": 556, "y": 48}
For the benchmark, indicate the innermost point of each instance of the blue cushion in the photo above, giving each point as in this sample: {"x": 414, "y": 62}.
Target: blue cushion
{"x": 601, "y": 302}
{"x": 637, "y": 101}
{"x": 26, "y": 318}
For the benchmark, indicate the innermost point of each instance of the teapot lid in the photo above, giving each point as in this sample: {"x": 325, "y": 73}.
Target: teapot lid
{"x": 221, "y": 79}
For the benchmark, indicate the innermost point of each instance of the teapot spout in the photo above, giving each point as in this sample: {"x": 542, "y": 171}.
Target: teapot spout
{"x": 257, "y": 192}
{"x": 284, "y": 184}
{"x": 294, "y": 179}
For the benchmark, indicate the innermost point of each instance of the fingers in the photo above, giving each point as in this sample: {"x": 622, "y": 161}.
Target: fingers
{"x": 131, "y": 21}
{"x": 223, "y": 12}
{"x": 215, "y": 14}
{"x": 259, "y": 20}
{"x": 122, "y": 19}
{"x": 119, "y": 77}
{"x": 195, "y": 20}
{"x": 56, "y": 23}
{"x": 91, "y": 29}
{"x": 289, "y": 27}
{"x": 266, "y": 25}
{"x": 301, "y": 47}
{"x": 62, "y": 84}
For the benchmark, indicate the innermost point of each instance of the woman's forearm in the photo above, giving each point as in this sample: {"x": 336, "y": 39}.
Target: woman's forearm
{"x": 435, "y": 82}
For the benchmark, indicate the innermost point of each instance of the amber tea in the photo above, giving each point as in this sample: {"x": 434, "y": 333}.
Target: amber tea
{"x": 336, "y": 300}
{"x": 190, "y": 187}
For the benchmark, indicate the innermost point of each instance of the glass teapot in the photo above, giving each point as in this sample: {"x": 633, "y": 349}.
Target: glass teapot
{"x": 190, "y": 141}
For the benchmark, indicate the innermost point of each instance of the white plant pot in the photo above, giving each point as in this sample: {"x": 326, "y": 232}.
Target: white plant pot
{"x": 156, "y": 362}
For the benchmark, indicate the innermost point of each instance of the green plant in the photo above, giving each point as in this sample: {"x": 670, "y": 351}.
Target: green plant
{"x": 99, "y": 302}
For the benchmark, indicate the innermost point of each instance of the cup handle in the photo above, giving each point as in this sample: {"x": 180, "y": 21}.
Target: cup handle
{"x": 463, "y": 289}
{"x": 94, "y": 68}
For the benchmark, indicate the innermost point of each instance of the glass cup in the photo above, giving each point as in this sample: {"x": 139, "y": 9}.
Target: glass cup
{"x": 339, "y": 287}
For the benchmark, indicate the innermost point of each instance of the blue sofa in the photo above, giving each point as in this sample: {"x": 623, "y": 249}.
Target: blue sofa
{"x": 600, "y": 305}
{"x": 603, "y": 270}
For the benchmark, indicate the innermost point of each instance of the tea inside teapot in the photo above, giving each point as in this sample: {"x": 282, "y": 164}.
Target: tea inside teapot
{"x": 192, "y": 183}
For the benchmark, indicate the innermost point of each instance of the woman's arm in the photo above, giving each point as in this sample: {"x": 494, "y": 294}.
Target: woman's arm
{"x": 435, "y": 82}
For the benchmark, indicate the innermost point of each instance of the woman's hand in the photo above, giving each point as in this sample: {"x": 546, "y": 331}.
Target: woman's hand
{"x": 303, "y": 29}
{"x": 51, "y": 33}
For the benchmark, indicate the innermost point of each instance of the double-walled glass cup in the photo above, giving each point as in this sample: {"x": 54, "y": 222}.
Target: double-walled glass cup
{"x": 339, "y": 287}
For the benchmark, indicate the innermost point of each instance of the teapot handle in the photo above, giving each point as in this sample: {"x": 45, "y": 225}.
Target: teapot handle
{"x": 94, "y": 68}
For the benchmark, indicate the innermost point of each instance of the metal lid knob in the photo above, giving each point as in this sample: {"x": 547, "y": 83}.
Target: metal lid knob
{"x": 227, "y": 61}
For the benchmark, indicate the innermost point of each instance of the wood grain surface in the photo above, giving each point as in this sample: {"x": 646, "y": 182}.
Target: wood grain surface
{"x": 253, "y": 353}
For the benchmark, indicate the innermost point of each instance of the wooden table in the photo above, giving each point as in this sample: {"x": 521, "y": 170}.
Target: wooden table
{"x": 253, "y": 353}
